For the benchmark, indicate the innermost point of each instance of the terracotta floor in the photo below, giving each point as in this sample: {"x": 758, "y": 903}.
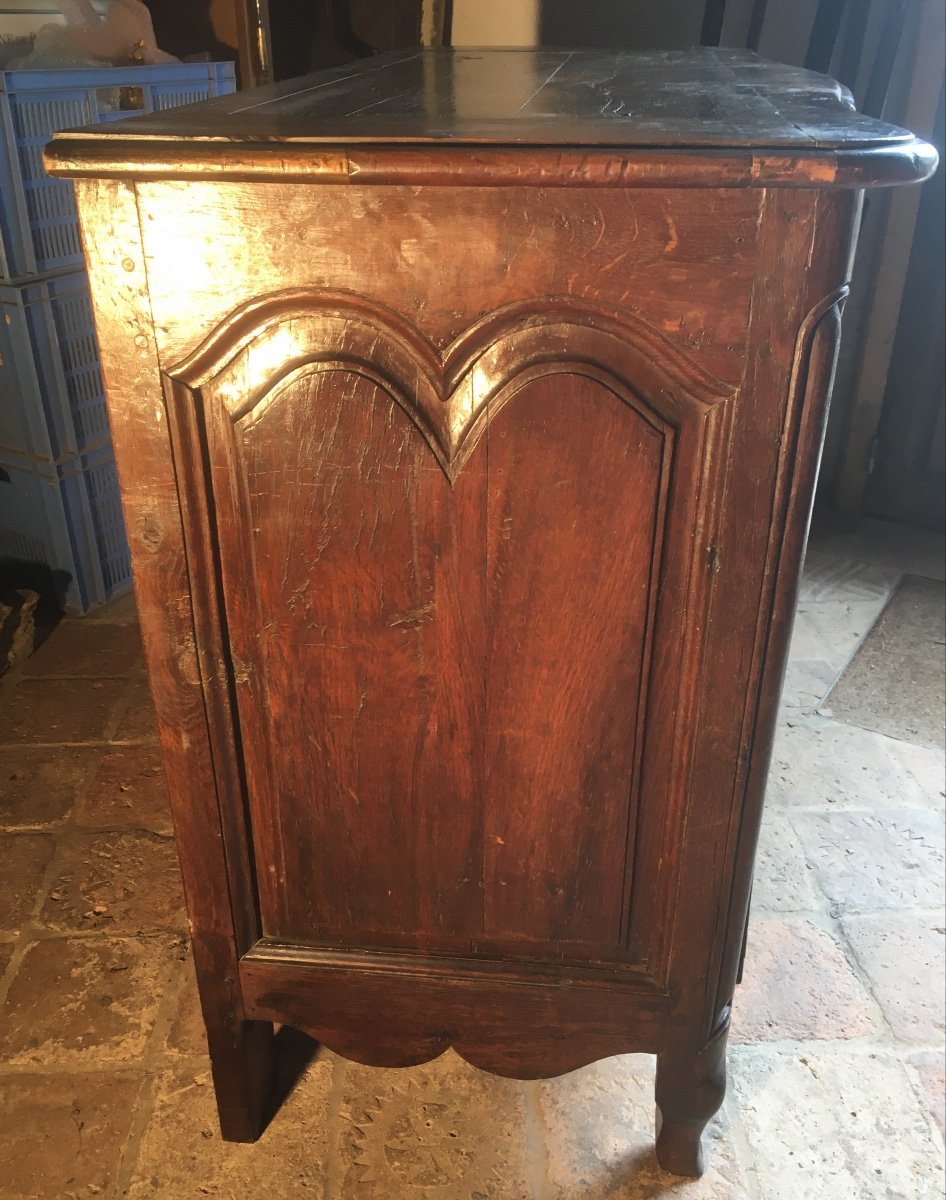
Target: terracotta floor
{"x": 837, "y": 1063}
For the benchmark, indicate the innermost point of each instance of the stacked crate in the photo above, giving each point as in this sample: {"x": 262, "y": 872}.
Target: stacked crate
{"x": 59, "y": 499}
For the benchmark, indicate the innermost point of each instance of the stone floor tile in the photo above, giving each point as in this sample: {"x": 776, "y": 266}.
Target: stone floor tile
{"x": 927, "y": 766}
{"x": 895, "y": 682}
{"x": 78, "y": 1002}
{"x": 830, "y": 631}
{"x": 137, "y": 723}
{"x": 806, "y": 684}
{"x": 63, "y": 1134}
{"x": 831, "y": 1124}
{"x": 599, "y": 1125}
{"x": 58, "y": 710}
{"x": 782, "y": 876}
{"x": 186, "y": 1037}
{"x": 24, "y": 858}
{"x": 118, "y": 612}
{"x": 128, "y": 789}
{"x": 868, "y": 861}
{"x": 930, "y": 1066}
{"x": 441, "y": 1129}
{"x": 819, "y": 763}
{"x": 903, "y": 954}
{"x": 798, "y": 984}
{"x": 839, "y": 577}
{"x": 38, "y": 785}
{"x": 116, "y": 882}
{"x": 77, "y": 648}
{"x": 182, "y": 1156}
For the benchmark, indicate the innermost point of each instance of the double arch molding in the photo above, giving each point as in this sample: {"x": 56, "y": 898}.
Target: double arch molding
{"x": 450, "y": 395}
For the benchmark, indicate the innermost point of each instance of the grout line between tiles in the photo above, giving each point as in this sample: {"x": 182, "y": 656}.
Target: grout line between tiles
{"x": 153, "y": 1063}
{"x": 333, "y": 1174}
{"x": 536, "y": 1139}
{"x": 742, "y": 1148}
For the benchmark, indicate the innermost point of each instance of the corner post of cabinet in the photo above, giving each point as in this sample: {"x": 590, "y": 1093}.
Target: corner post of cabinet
{"x": 241, "y": 1051}
{"x": 815, "y": 333}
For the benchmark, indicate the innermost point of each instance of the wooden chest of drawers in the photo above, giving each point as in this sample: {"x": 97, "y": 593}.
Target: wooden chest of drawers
{"x": 467, "y": 409}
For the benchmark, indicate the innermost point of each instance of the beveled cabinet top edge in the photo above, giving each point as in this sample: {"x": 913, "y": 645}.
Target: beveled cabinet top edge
{"x": 703, "y": 117}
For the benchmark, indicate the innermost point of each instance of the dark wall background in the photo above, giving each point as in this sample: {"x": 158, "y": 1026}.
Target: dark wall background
{"x": 620, "y": 23}
{"x": 310, "y": 34}
{"x": 183, "y": 28}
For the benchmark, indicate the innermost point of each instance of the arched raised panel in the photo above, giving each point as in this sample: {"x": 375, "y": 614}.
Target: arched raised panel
{"x": 440, "y": 571}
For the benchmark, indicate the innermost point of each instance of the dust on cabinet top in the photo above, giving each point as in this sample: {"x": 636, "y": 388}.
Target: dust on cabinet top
{"x": 706, "y": 115}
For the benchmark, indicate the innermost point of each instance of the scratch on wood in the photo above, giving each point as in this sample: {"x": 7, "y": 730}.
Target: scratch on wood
{"x": 413, "y": 616}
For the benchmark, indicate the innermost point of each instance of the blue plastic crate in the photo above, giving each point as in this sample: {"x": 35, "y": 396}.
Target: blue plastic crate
{"x": 38, "y": 225}
{"x": 52, "y": 402}
{"x": 67, "y": 516}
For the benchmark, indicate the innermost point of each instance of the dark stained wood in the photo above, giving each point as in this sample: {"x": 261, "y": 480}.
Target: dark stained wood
{"x": 390, "y": 1011}
{"x": 578, "y": 483}
{"x": 711, "y": 118}
{"x": 467, "y": 498}
{"x": 643, "y": 253}
{"x": 216, "y": 875}
{"x": 813, "y": 359}
{"x": 400, "y": 735}
{"x": 684, "y": 100}
{"x": 367, "y": 582}
{"x": 689, "y": 1089}
{"x": 449, "y": 166}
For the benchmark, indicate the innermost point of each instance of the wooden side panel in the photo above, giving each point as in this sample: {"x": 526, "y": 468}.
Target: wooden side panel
{"x": 804, "y": 258}
{"x": 442, "y": 256}
{"x": 439, "y": 684}
{"x": 576, "y": 489}
{"x": 440, "y": 575}
{"x": 367, "y": 573}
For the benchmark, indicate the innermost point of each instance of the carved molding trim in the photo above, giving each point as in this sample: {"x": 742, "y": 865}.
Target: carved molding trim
{"x": 449, "y": 395}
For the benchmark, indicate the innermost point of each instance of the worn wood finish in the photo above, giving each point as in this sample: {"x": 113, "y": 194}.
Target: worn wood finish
{"x": 702, "y": 98}
{"x": 214, "y": 862}
{"x": 707, "y": 117}
{"x": 395, "y": 1011}
{"x": 466, "y": 523}
{"x": 397, "y": 729}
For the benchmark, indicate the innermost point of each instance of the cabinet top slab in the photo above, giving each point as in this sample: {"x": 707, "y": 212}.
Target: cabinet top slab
{"x": 404, "y": 116}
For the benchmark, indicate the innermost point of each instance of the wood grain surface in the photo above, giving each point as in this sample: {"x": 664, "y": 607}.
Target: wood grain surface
{"x": 413, "y": 664}
{"x": 589, "y": 118}
{"x": 467, "y": 494}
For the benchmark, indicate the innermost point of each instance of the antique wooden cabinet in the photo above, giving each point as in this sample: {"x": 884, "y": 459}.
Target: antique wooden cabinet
{"x": 467, "y": 408}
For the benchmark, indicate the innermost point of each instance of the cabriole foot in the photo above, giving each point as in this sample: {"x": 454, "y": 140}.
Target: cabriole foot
{"x": 690, "y": 1089}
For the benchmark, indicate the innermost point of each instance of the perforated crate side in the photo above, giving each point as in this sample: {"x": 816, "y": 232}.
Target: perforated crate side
{"x": 78, "y": 360}
{"x": 100, "y": 479}
{"x": 37, "y": 213}
{"x": 67, "y": 517}
{"x": 52, "y": 400}
{"x": 42, "y": 516}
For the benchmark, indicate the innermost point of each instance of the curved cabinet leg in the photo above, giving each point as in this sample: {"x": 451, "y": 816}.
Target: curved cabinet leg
{"x": 690, "y": 1089}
